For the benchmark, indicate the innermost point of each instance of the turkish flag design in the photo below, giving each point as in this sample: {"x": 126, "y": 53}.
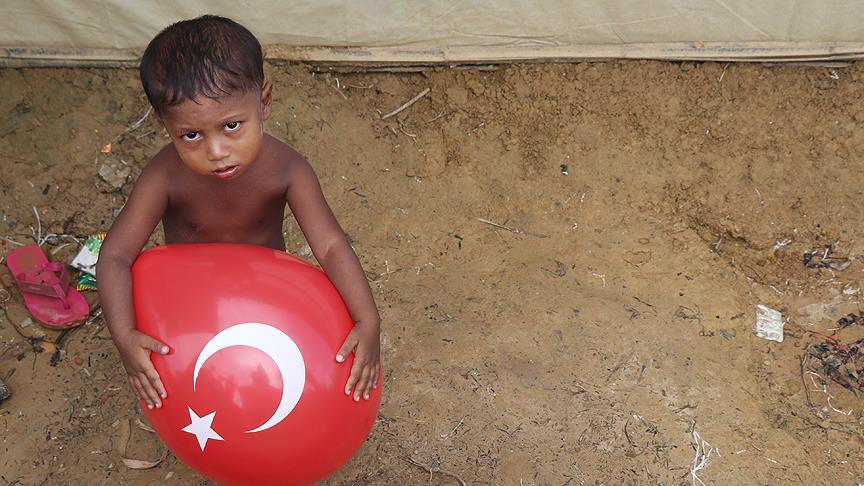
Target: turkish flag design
{"x": 255, "y": 395}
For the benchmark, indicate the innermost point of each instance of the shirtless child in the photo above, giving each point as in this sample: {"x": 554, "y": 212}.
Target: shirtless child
{"x": 222, "y": 179}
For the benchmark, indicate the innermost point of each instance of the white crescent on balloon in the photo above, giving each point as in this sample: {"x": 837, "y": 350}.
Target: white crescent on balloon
{"x": 278, "y": 346}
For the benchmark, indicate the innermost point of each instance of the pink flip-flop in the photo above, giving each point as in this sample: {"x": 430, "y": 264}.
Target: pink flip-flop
{"x": 45, "y": 288}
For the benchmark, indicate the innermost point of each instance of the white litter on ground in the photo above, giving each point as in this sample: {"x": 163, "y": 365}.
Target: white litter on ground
{"x": 769, "y": 324}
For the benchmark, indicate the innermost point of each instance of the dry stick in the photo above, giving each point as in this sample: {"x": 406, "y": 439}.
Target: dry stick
{"x": 132, "y": 127}
{"x": 703, "y": 454}
{"x": 621, "y": 364}
{"x": 402, "y": 129}
{"x": 39, "y": 224}
{"x": 804, "y": 382}
{"x": 490, "y": 223}
{"x": 340, "y": 92}
{"x": 11, "y": 241}
{"x": 443, "y": 113}
{"x": 433, "y": 470}
{"x": 406, "y": 105}
{"x": 627, "y": 434}
{"x": 138, "y": 123}
{"x": 147, "y": 134}
{"x": 447, "y": 436}
{"x": 512, "y": 230}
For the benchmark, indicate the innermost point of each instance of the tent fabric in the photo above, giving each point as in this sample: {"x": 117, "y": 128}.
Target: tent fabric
{"x": 442, "y": 30}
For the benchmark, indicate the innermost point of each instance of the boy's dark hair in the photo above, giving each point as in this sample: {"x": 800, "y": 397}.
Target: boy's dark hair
{"x": 208, "y": 56}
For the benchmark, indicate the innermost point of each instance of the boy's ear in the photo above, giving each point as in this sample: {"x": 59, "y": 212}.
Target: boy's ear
{"x": 267, "y": 99}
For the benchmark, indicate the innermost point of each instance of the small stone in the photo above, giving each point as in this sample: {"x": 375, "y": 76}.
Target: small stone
{"x": 4, "y": 391}
{"x": 727, "y": 334}
{"x": 115, "y": 173}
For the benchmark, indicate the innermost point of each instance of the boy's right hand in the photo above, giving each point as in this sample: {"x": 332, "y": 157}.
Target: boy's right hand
{"x": 135, "y": 349}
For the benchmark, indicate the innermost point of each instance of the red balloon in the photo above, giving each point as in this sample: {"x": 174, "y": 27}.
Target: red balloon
{"x": 255, "y": 395}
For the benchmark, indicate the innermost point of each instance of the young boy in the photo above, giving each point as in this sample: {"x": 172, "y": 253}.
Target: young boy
{"x": 222, "y": 179}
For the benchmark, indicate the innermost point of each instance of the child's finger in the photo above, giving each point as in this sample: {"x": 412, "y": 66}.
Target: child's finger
{"x": 139, "y": 391}
{"x": 156, "y": 382}
{"x": 361, "y": 383}
{"x": 156, "y": 385}
{"x": 346, "y": 349}
{"x": 373, "y": 383}
{"x": 375, "y": 375}
{"x": 352, "y": 379}
{"x": 152, "y": 396}
{"x": 369, "y": 382}
{"x": 155, "y": 346}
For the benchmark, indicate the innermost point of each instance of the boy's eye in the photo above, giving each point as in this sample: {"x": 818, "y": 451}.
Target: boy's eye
{"x": 232, "y": 126}
{"x": 191, "y": 136}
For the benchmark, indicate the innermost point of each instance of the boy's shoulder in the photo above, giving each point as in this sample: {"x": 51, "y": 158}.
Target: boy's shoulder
{"x": 166, "y": 159}
{"x": 281, "y": 153}
{"x": 281, "y": 160}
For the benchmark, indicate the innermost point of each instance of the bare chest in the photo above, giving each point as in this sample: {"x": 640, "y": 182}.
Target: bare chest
{"x": 231, "y": 215}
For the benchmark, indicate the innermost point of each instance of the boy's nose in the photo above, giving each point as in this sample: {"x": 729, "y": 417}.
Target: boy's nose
{"x": 217, "y": 150}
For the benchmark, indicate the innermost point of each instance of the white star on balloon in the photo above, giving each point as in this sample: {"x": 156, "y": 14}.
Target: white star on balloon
{"x": 202, "y": 428}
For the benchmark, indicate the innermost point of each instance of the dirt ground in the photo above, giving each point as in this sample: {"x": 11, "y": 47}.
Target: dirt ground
{"x": 567, "y": 259}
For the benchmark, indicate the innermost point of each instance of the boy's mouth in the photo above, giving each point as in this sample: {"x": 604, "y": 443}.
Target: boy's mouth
{"x": 227, "y": 171}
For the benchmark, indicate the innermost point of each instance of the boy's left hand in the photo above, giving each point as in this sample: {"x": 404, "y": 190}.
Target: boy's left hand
{"x": 363, "y": 340}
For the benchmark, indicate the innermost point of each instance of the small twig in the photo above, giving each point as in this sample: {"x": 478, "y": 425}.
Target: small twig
{"x": 600, "y": 276}
{"x": 339, "y": 90}
{"x": 512, "y": 230}
{"x": 450, "y": 434}
{"x": 627, "y": 357}
{"x": 490, "y": 223}
{"x": 643, "y": 302}
{"x": 38, "y": 225}
{"x": 140, "y": 121}
{"x": 58, "y": 248}
{"x": 145, "y": 134}
{"x": 443, "y": 113}
{"x": 433, "y": 470}
{"x": 132, "y": 127}
{"x": 52, "y": 236}
{"x": 804, "y": 382}
{"x": 11, "y": 241}
{"x": 402, "y": 129}
{"x": 700, "y": 460}
{"x": 141, "y": 425}
{"x": 407, "y": 104}
{"x": 627, "y": 434}
{"x": 685, "y": 407}
{"x": 849, "y": 412}
{"x": 761, "y": 201}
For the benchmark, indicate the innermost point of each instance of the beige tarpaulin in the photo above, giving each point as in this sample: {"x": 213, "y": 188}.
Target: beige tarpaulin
{"x": 452, "y": 30}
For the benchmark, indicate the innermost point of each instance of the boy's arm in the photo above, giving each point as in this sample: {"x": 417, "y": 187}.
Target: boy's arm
{"x": 337, "y": 258}
{"x": 124, "y": 241}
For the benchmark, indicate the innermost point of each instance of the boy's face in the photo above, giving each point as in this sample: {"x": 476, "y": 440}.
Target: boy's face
{"x": 219, "y": 138}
